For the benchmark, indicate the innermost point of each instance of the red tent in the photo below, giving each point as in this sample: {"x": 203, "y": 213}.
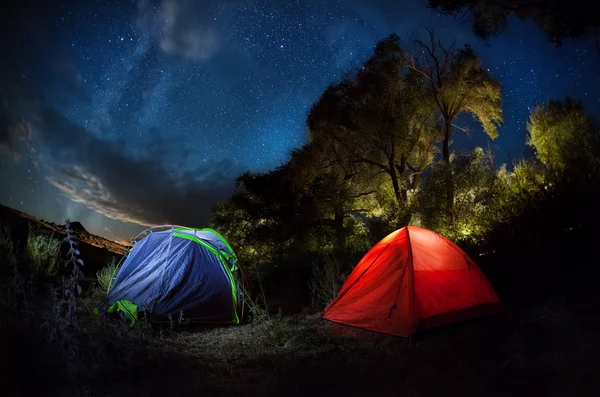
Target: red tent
{"x": 412, "y": 279}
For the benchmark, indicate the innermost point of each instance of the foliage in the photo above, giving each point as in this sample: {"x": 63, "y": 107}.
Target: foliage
{"x": 484, "y": 196}
{"x": 511, "y": 193}
{"x": 559, "y": 18}
{"x": 42, "y": 254}
{"x": 376, "y": 123}
{"x": 565, "y": 138}
{"x": 473, "y": 176}
{"x": 457, "y": 82}
{"x": 287, "y": 214}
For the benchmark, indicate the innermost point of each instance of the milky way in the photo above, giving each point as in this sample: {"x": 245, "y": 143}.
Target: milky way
{"x": 123, "y": 114}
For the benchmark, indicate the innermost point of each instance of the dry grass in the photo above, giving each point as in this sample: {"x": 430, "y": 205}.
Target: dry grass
{"x": 42, "y": 251}
{"x": 105, "y": 276}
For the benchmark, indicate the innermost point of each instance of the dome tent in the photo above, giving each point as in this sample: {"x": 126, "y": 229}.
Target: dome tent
{"x": 178, "y": 271}
{"x": 412, "y": 279}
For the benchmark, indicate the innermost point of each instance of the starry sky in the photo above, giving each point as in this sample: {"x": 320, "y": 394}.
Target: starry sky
{"x": 126, "y": 114}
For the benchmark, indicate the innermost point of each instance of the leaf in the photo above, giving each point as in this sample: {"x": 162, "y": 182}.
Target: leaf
{"x": 78, "y": 289}
{"x": 80, "y": 261}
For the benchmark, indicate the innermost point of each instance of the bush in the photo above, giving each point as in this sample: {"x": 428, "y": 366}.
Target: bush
{"x": 43, "y": 254}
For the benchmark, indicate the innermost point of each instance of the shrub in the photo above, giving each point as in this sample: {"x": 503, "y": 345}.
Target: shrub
{"x": 43, "y": 254}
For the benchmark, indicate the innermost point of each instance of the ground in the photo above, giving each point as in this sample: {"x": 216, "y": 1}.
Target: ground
{"x": 548, "y": 350}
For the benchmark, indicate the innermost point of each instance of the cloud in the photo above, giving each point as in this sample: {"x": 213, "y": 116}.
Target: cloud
{"x": 182, "y": 27}
{"x": 138, "y": 191}
{"x": 12, "y": 134}
{"x": 156, "y": 186}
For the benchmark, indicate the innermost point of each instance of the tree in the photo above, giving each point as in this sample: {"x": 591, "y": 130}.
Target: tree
{"x": 473, "y": 177}
{"x": 561, "y": 19}
{"x": 564, "y": 138}
{"x": 456, "y": 82}
{"x": 341, "y": 190}
{"x": 372, "y": 121}
{"x": 303, "y": 207}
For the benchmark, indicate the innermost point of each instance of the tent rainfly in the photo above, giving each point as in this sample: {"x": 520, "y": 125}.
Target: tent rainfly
{"x": 178, "y": 271}
{"x": 411, "y": 280}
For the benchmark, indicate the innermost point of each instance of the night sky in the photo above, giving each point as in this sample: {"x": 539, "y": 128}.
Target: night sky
{"x": 124, "y": 114}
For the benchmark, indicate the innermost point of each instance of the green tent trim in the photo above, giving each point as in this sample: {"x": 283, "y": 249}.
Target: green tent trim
{"x": 128, "y": 308}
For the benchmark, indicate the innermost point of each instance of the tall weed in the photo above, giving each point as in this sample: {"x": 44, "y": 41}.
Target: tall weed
{"x": 326, "y": 282}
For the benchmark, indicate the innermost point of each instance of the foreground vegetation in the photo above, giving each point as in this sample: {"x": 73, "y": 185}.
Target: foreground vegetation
{"x": 54, "y": 345}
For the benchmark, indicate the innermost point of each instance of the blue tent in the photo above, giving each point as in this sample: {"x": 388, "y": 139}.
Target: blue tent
{"x": 178, "y": 271}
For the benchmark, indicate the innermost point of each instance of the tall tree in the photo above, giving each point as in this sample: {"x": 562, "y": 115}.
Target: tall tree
{"x": 456, "y": 82}
{"x": 374, "y": 119}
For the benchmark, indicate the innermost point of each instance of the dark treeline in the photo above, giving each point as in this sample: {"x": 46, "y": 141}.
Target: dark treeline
{"x": 380, "y": 156}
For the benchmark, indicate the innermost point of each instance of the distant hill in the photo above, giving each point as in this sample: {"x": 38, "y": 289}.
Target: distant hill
{"x": 95, "y": 251}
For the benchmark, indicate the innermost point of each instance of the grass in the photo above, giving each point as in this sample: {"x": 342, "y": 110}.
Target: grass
{"x": 53, "y": 345}
{"x": 6, "y": 244}
{"x": 106, "y": 275}
{"x": 42, "y": 253}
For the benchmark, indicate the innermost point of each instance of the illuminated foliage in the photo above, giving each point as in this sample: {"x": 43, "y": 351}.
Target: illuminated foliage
{"x": 473, "y": 177}
{"x": 376, "y": 122}
{"x": 456, "y": 82}
{"x": 564, "y": 137}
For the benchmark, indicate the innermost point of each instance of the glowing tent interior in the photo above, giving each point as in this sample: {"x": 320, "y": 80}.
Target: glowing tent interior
{"x": 412, "y": 279}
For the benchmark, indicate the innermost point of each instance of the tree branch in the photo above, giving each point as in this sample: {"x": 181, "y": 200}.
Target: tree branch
{"x": 364, "y": 194}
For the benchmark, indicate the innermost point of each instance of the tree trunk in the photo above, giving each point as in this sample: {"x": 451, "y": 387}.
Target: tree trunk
{"x": 396, "y": 185}
{"x": 402, "y": 172}
{"x": 415, "y": 181}
{"x": 447, "y": 135}
{"x": 448, "y": 172}
{"x": 400, "y": 192}
{"x": 338, "y": 225}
